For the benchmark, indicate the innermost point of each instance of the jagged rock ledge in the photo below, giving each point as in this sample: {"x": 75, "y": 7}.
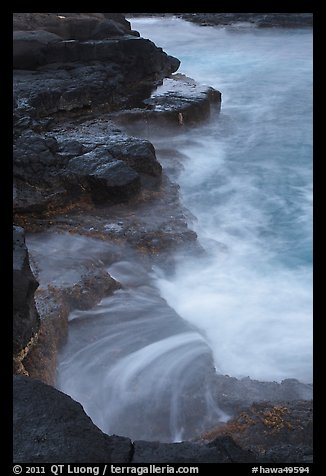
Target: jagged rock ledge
{"x": 179, "y": 101}
{"x": 68, "y": 71}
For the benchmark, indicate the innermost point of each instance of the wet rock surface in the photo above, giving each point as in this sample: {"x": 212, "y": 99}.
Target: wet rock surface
{"x": 179, "y": 101}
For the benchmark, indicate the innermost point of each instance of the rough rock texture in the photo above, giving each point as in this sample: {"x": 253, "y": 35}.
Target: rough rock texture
{"x": 68, "y": 64}
{"x": 106, "y": 179}
{"x": 25, "y": 315}
{"x": 50, "y": 427}
{"x": 222, "y": 450}
{"x": 51, "y": 170}
{"x": 276, "y": 432}
{"x": 109, "y": 73}
{"x": 71, "y": 68}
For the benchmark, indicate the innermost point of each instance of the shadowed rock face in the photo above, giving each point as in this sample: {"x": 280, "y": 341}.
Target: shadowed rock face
{"x": 25, "y": 316}
{"x": 51, "y": 427}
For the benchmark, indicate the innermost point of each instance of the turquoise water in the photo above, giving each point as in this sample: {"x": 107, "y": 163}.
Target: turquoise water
{"x": 247, "y": 179}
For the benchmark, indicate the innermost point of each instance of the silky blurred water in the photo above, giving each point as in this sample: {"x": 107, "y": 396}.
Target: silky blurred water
{"x": 142, "y": 362}
{"x": 247, "y": 179}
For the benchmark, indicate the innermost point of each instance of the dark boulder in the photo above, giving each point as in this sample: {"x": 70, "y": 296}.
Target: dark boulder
{"x": 139, "y": 154}
{"x": 49, "y": 174}
{"x": 179, "y": 101}
{"x": 25, "y": 315}
{"x": 106, "y": 179}
{"x": 96, "y": 138}
{"x": 50, "y": 427}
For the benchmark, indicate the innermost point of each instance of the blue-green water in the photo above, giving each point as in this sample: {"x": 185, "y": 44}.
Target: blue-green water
{"x": 247, "y": 179}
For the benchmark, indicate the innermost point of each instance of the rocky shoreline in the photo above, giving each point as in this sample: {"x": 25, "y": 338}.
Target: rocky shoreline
{"x": 81, "y": 83}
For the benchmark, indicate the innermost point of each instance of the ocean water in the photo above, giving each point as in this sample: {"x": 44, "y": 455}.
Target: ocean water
{"x": 142, "y": 362}
{"x": 247, "y": 179}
